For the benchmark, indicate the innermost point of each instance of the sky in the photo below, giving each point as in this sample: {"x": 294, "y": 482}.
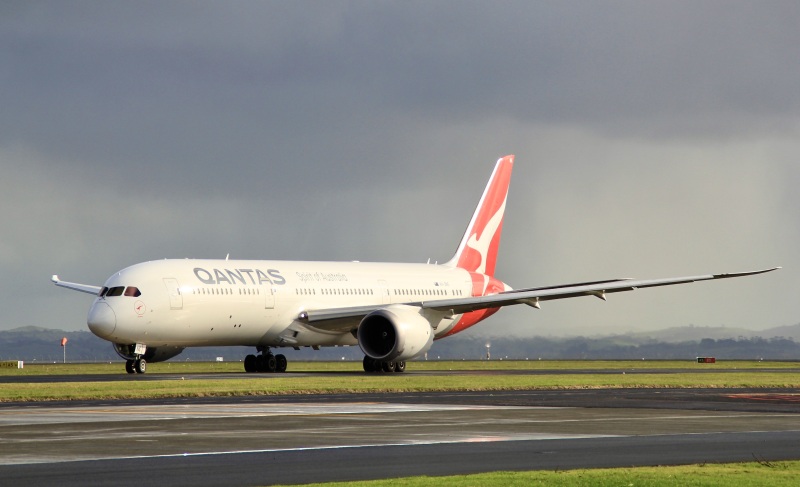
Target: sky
{"x": 652, "y": 139}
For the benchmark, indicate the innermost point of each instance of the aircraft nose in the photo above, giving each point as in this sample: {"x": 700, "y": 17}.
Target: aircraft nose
{"x": 102, "y": 320}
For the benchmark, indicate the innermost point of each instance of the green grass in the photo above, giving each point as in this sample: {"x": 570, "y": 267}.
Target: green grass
{"x": 345, "y": 366}
{"x": 179, "y": 379}
{"x": 776, "y": 474}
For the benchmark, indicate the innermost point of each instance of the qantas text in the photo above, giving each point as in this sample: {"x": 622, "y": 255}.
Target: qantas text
{"x": 239, "y": 276}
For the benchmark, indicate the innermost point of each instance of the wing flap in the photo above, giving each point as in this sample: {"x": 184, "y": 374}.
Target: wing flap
{"x": 337, "y": 319}
{"x": 315, "y": 316}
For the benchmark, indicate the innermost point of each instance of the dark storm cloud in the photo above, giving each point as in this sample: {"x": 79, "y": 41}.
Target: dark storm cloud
{"x": 365, "y": 130}
{"x": 199, "y": 85}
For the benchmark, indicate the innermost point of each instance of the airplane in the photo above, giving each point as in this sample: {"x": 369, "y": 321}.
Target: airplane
{"x": 394, "y": 311}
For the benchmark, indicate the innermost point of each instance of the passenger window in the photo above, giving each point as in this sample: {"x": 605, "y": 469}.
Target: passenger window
{"x": 132, "y": 292}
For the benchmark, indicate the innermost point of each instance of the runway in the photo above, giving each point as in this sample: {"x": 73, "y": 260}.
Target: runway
{"x": 300, "y": 439}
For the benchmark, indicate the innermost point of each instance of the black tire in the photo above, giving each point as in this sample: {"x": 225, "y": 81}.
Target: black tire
{"x": 270, "y": 363}
{"x": 370, "y": 365}
{"x": 140, "y": 365}
{"x": 400, "y": 367}
{"x": 280, "y": 363}
{"x": 129, "y": 367}
{"x": 388, "y": 366}
{"x": 250, "y": 363}
{"x": 261, "y": 363}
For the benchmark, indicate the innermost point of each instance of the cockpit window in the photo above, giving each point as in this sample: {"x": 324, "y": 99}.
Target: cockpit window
{"x": 132, "y": 291}
{"x": 115, "y": 291}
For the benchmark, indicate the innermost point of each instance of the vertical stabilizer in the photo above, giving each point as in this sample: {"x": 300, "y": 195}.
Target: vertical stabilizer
{"x": 477, "y": 251}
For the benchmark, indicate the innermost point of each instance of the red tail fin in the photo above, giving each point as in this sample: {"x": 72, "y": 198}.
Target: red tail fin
{"x": 477, "y": 251}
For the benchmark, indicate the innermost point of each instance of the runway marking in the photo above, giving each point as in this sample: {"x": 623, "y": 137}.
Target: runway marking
{"x": 46, "y": 415}
{"x": 487, "y": 439}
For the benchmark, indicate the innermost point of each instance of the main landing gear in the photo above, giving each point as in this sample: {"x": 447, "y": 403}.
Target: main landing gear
{"x": 265, "y": 362}
{"x": 137, "y": 366}
{"x": 372, "y": 365}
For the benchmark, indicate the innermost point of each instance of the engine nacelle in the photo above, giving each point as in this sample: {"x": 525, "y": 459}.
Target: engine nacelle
{"x": 397, "y": 332}
{"x": 158, "y": 354}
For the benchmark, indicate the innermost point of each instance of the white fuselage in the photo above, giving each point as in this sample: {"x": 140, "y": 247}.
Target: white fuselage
{"x": 258, "y": 303}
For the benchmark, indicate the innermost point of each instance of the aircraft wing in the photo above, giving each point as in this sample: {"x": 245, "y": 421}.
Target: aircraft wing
{"x": 84, "y": 288}
{"x": 342, "y": 318}
{"x": 533, "y": 297}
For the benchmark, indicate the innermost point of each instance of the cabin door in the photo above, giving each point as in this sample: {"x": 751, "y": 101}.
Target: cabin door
{"x": 383, "y": 291}
{"x": 174, "y": 291}
{"x": 269, "y": 302}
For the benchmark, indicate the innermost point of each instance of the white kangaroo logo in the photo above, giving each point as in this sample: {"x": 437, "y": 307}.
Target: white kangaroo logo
{"x": 481, "y": 245}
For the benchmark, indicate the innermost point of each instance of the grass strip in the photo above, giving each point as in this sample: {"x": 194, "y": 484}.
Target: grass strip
{"x": 426, "y": 366}
{"x": 271, "y": 384}
{"x": 775, "y": 474}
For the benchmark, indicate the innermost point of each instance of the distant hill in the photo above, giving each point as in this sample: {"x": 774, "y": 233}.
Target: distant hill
{"x": 690, "y": 333}
{"x": 696, "y": 333}
{"x": 790, "y": 331}
{"x": 37, "y": 344}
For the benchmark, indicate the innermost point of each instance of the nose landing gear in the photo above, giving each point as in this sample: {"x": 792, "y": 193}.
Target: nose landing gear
{"x": 136, "y": 366}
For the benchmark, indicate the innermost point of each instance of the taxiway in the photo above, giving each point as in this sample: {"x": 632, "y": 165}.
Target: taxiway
{"x": 300, "y": 439}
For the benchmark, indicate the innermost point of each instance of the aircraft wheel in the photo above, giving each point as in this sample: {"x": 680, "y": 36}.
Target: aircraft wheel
{"x": 270, "y": 364}
{"x": 400, "y": 367}
{"x": 140, "y": 365}
{"x": 261, "y": 363}
{"x": 370, "y": 365}
{"x": 388, "y": 366}
{"x": 129, "y": 367}
{"x": 280, "y": 363}
{"x": 250, "y": 363}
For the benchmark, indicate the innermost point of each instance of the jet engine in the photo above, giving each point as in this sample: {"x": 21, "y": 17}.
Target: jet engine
{"x": 395, "y": 333}
{"x": 158, "y": 354}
